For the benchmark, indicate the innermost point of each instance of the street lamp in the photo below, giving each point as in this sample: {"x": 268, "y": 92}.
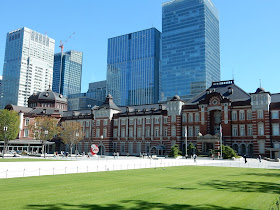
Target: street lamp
{"x": 44, "y": 145}
{"x": 77, "y": 136}
{"x": 5, "y": 131}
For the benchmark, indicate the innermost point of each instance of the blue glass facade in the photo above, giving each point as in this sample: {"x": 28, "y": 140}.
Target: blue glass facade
{"x": 190, "y": 48}
{"x": 133, "y": 67}
{"x": 71, "y": 74}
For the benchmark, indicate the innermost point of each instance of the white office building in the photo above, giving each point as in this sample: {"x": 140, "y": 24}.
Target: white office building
{"x": 28, "y": 65}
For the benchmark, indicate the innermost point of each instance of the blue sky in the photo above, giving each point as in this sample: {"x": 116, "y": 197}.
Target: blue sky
{"x": 249, "y": 33}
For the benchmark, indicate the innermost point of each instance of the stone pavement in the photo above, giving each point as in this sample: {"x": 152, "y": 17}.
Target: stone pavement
{"x": 109, "y": 163}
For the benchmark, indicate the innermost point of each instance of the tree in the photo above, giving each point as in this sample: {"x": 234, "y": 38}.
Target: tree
{"x": 9, "y": 126}
{"x": 174, "y": 151}
{"x": 191, "y": 149}
{"x": 71, "y": 133}
{"x": 43, "y": 129}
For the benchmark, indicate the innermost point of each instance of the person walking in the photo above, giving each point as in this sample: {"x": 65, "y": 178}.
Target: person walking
{"x": 245, "y": 159}
{"x": 260, "y": 158}
{"x": 194, "y": 158}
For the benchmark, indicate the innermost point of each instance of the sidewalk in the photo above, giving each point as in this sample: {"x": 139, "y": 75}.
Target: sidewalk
{"x": 108, "y": 163}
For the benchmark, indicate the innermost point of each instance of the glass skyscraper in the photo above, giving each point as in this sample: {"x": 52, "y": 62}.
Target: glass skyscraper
{"x": 190, "y": 48}
{"x": 68, "y": 79}
{"x": 28, "y": 65}
{"x": 133, "y": 67}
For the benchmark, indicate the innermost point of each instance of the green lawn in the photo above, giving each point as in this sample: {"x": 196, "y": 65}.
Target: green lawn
{"x": 24, "y": 159}
{"x": 186, "y": 187}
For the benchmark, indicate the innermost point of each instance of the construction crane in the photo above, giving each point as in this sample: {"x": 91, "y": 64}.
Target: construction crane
{"x": 62, "y": 47}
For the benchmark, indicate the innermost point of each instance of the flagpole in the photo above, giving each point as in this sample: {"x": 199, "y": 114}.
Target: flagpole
{"x": 186, "y": 141}
{"x": 221, "y": 140}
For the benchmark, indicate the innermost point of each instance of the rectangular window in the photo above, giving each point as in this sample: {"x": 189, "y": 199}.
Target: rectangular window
{"x": 130, "y": 131}
{"x": 196, "y": 117}
{"x": 184, "y": 118}
{"x": 275, "y": 115}
{"x": 87, "y": 123}
{"x": 148, "y": 132}
{"x": 242, "y": 130}
{"x": 275, "y": 129}
{"x": 249, "y": 115}
{"x": 139, "y": 132}
{"x": 105, "y": 122}
{"x": 197, "y": 130}
{"x": 157, "y": 120}
{"x": 234, "y": 130}
{"x": 87, "y": 133}
{"x": 122, "y": 147}
{"x": 147, "y": 120}
{"x": 123, "y": 121}
{"x": 241, "y": 115}
{"x": 123, "y": 132}
{"x": 157, "y": 132}
{"x": 190, "y": 117}
{"x": 97, "y": 132}
{"x": 26, "y": 132}
{"x": 115, "y": 122}
{"x": 165, "y": 119}
{"x": 115, "y": 146}
{"x": 26, "y": 121}
{"x": 260, "y": 114}
{"x": 97, "y": 122}
{"x": 173, "y": 131}
{"x": 115, "y": 134}
{"x": 190, "y": 131}
{"x": 165, "y": 132}
{"x": 139, "y": 121}
{"x": 131, "y": 121}
{"x": 234, "y": 115}
{"x": 250, "y": 130}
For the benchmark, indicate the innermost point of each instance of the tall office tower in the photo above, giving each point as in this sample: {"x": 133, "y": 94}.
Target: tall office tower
{"x": 133, "y": 67}
{"x": 97, "y": 90}
{"x": 28, "y": 65}
{"x": 190, "y": 48}
{"x": 67, "y": 78}
{"x": 1, "y": 96}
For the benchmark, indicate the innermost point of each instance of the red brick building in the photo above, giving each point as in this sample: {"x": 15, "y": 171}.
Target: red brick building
{"x": 249, "y": 122}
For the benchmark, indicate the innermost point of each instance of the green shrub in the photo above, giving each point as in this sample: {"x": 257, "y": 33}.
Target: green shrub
{"x": 228, "y": 152}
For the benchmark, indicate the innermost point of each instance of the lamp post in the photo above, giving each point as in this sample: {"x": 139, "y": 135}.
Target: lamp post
{"x": 44, "y": 145}
{"x": 77, "y": 136}
{"x": 4, "y": 148}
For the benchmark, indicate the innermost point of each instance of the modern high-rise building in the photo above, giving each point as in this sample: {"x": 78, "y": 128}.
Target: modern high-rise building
{"x": 1, "y": 95}
{"x": 133, "y": 67}
{"x": 28, "y": 65}
{"x": 190, "y": 48}
{"x": 67, "y": 78}
{"x": 97, "y": 90}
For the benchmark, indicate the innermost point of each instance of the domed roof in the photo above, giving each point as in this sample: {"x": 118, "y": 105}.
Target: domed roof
{"x": 49, "y": 96}
{"x": 260, "y": 90}
{"x": 176, "y": 98}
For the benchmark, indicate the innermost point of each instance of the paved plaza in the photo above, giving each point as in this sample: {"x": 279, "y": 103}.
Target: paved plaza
{"x": 84, "y": 164}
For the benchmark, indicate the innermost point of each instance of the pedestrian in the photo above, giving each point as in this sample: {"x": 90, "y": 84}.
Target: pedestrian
{"x": 194, "y": 158}
{"x": 245, "y": 159}
{"x": 260, "y": 158}
{"x": 117, "y": 154}
{"x": 186, "y": 156}
{"x": 114, "y": 155}
{"x": 213, "y": 156}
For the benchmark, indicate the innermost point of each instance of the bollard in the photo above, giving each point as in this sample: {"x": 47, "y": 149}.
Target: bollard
{"x": 7, "y": 174}
{"x": 53, "y": 171}
{"x": 65, "y": 170}
{"x": 87, "y": 169}
{"x": 23, "y": 172}
{"x": 77, "y": 169}
{"x": 97, "y": 168}
{"x": 113, "y": 167}
{"x": 134, "y": 166}
{"x": 39, "y": 171}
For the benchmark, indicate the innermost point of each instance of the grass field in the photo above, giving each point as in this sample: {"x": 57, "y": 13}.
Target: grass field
{"x": 24, "y": 160}
{"x": 185, "y": 187}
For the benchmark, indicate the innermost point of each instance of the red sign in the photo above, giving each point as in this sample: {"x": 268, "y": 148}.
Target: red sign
{"x": 94, "y": 149}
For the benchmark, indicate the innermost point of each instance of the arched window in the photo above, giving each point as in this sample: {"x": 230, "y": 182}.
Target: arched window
{"x": 173, "y": 131}
{"x": 243, "y": 149}
{"x": 235, "y": 148}
{"x": 250, "y": 149}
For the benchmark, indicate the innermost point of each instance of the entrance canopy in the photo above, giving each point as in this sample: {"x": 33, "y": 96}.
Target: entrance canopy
{"x": 27, "y": 142}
